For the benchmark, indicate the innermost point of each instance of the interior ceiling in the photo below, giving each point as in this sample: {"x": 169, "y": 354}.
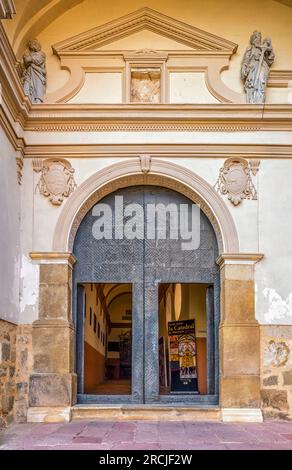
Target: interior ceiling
{"x": 32, "y": 16}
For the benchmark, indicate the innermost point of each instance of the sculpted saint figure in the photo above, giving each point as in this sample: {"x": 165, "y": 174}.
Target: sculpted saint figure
{"x": 34, "y": 77}
{"x": 255, "y": 68}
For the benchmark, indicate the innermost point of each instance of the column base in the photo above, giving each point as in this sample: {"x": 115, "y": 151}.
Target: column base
{"x": 241, "y": 415}
{"x": 56, "y": 414}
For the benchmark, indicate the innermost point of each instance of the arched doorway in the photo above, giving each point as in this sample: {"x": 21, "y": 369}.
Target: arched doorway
{"x": 239, "y": 335}
{"x": 153, "y": 272}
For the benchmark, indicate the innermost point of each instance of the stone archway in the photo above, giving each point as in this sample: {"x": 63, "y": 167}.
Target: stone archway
{"x": 162, "y": 173}
{"x": 239, "y": 346}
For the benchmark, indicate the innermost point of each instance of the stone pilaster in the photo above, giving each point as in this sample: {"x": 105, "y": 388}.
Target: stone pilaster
{"x": 239, "y": 339}
{"x": 52, "y": 386}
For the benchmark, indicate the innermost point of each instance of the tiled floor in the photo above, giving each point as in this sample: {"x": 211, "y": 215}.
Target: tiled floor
{"x": 147, "y": 435}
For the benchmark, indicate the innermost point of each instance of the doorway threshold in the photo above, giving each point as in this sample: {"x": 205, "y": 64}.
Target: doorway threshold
{"x": 150, "y": 412}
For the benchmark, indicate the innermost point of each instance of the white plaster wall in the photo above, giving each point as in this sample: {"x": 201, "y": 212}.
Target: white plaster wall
{"x": 100, "y": 88}
{"x": 274, "y": 272}
{"x": 189, "y": 87}
{"x": 9, "y": 232}
{"x": 167, "y": 137}
{"x": 263, "y": 226}
{"x": 29, "y": 274}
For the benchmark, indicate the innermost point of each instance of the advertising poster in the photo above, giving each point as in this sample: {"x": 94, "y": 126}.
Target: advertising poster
{"x": 182, "y": 351}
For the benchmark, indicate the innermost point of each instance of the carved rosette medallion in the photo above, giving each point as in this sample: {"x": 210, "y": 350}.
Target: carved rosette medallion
{"x": 235, "y": 179}
{"x": 56, "y": 180}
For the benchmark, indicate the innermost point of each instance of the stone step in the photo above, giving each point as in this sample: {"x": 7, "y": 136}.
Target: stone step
{"x": 145, "y": 412}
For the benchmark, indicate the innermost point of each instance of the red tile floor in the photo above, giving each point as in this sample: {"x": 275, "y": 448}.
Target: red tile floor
{"x": 148, "y": 435}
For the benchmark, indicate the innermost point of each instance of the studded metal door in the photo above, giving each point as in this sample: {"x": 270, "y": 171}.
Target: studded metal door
{"x": 145, "y": 264}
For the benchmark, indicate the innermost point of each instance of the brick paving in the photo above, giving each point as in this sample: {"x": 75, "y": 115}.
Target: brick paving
{"x": 146, "y": 435}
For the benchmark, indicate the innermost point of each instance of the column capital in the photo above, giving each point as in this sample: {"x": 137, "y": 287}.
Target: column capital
{"x": 53, "y": 258}
{"x": 239, "y": 259}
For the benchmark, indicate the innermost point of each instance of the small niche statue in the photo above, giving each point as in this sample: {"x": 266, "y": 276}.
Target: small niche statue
{"x": 255, "y": 68}
{"x": 34, "y": 76}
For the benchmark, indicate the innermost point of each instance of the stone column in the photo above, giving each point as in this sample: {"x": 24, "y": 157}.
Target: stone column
{"x": 52, "y": 385}
{"x": 239, "y": 339}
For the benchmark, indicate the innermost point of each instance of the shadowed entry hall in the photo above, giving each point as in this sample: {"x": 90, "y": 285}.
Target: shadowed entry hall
{"x": 142, "y": 265}
{"x": 107, "y": 313}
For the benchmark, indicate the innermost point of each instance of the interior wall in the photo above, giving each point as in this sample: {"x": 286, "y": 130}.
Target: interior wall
{"x": 94, "y": 349}
{"x": 117, "y": 310}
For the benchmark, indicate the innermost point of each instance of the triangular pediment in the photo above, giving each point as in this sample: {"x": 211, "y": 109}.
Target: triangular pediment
{"x": 149, "y": 20}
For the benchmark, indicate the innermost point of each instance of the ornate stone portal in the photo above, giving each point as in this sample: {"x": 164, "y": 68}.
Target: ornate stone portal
{"x": 56, "y": 181}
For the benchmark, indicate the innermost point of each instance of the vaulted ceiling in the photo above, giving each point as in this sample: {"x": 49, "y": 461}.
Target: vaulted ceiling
{"x": 35, "y": 15}
{"x": 285, "y": 2}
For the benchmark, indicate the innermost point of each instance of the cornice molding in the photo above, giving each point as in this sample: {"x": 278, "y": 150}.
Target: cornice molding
{"x": 53, "y": 258}
{"x": 239, "y": 258}
{"x": 251, "y": 151}
{"x": 145, "y": 18}
{"x": 280, "y": 78}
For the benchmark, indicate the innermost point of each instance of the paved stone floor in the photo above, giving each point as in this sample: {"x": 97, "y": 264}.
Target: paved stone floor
{"x": 145, "y": 435}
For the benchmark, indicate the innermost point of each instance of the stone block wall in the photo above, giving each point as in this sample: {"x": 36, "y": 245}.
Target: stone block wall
{"x": 7, "y": 371}
{"x": 24, "y": 365}
{"x": 276, "y": 371}
{"x": 15, "y": 368}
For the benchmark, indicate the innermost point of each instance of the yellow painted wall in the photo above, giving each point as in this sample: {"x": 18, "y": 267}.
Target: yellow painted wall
{"x": 89, "y": 335}
{"x": 117, "y": 309}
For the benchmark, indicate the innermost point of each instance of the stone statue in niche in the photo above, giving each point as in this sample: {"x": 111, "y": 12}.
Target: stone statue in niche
{"x": 34, "y": 76}
{"x": 255, "y": 68}
{"x": 145, "y": 86}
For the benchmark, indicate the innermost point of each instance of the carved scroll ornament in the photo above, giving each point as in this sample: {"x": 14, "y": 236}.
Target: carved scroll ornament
{"x": 56, "y": 180}
{"x": 235, "y": 179}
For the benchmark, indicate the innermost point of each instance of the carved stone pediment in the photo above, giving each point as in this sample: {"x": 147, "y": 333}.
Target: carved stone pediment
{"x": 171, "y": 41}
{"x": 56, "y": 180}
{"x": 145, "y": 18}
{"x": 235, "y": 179}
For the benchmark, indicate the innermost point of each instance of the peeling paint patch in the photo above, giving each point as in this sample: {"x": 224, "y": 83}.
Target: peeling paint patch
{"x": 277, "y": 308}
{"x": 276, "y": 354}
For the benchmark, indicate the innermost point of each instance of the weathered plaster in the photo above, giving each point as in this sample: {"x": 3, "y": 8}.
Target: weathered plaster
{"x": 29, "y": 277}
{"x": 9, "y": 233}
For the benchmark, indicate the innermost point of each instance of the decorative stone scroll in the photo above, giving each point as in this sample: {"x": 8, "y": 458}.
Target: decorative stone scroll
{"x": 145, "y": 161}
{"x": 56, "y": 180}
{"x": 235, "y": 179}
